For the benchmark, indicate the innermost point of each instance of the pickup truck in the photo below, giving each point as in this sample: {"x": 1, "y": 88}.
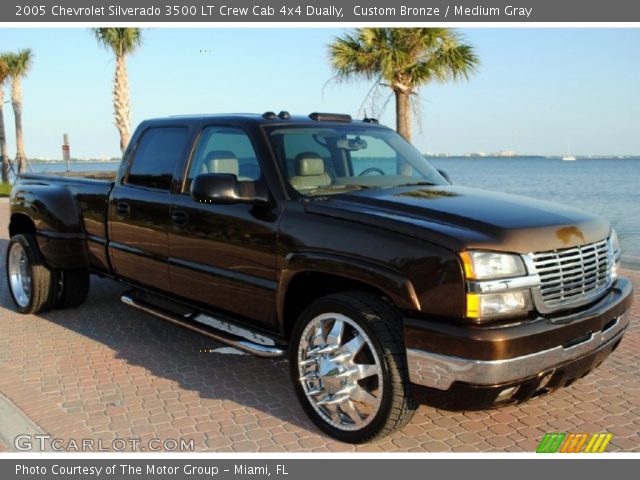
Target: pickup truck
{"x": 335, "y": 242}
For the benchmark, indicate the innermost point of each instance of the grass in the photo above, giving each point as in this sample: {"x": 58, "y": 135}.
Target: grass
{"x": 5, "y": 189}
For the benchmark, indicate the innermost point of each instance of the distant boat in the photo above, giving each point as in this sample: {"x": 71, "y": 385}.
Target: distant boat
{"x": 568, "y": 157}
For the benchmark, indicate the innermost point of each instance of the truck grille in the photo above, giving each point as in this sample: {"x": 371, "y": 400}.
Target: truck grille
{"x": 573, "y": 275}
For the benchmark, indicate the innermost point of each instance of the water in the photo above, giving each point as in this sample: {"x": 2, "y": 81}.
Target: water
{"x": 57, "y": 167}
{"x": 609, "y": 187}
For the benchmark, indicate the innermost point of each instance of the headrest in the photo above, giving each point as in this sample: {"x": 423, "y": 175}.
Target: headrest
{"x": 309, "y": 164}
{"x": 222, "y": 161}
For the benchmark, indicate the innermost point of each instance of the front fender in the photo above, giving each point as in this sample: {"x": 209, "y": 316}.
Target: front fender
{"x": 395, "y": 286}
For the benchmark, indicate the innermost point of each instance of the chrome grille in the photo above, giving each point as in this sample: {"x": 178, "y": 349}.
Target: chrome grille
{"x": 573, "y": 275}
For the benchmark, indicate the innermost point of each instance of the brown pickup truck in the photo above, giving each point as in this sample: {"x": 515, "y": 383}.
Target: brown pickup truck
{"x": 336, "y": 241}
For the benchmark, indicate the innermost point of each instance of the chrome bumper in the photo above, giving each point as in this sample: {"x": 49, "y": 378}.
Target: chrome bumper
{"x": 441, "y": 371}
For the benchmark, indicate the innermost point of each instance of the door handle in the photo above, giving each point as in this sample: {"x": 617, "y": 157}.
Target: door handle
{"x": 122, "y": 209}
{"x": 179, "y": 218}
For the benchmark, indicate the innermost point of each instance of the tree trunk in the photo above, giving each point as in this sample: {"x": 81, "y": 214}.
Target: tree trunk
{"x": 403, "y": 114}
{"x": 403, "y": 124}
{"x": 16, "y": 102}
{"x": 121, "y": 102}
{"x": 4, "y": 150}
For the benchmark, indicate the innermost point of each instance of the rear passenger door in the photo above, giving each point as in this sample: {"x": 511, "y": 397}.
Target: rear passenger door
{"x": 140, "y": 204}
{"x": 223, "y": 256}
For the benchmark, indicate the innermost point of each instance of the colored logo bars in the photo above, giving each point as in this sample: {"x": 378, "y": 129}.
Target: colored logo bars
{"x": 574, "y": 443}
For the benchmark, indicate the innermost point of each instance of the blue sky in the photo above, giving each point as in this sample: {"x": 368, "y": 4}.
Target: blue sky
{"x": 538, "y": 91}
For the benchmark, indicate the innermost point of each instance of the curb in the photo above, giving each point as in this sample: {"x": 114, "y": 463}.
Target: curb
{"x": 15, "y": 423}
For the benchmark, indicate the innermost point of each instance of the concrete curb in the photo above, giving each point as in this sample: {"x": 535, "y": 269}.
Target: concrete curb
{"x": 15, "y": 423}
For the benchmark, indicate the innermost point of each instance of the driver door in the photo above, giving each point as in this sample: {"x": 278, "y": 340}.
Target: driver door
{"x": 224, "y": 256}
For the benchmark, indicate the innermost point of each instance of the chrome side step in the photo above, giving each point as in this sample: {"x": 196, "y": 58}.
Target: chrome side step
{"x": 262, "y": 347}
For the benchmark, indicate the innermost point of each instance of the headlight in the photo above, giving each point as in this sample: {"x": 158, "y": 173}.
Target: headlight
{"x": 485, "y": 305}
{"x": 480, "y": 265}
{"x": 480, "y": 268}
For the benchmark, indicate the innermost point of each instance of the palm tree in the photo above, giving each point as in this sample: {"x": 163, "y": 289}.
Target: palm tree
{"x": 122, "y": 41}
{"x": 403, "y": 59}
{"x": 4, "y": 151}
{"x": 19, "y": 65}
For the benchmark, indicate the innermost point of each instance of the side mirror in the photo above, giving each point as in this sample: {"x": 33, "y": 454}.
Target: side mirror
{"x": 224, "y": 188}
{"x": 445, "y": 175}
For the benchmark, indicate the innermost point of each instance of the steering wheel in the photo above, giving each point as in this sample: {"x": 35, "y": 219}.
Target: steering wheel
{"x": 371, "y": 170}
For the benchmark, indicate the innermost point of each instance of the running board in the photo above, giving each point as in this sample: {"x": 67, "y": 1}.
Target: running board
{"x": 210, "y": 327}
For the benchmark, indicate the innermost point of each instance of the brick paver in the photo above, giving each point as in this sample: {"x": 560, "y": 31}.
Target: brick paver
{"x": 104, "y": 371}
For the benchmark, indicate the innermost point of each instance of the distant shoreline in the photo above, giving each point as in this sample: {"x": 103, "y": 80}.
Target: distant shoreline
{"x": 443, "y": 156}
{"x": 40, "y": 161}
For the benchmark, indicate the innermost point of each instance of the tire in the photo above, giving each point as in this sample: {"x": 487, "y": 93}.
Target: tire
{"x": 349, "y": 368}
{"x": 73, "y": 288}
{"x": 32, "y": 285}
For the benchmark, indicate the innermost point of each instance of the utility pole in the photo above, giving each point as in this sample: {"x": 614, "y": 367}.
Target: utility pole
{"x": 66, "y": 154}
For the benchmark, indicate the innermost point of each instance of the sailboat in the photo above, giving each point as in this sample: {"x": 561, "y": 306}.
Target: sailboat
{"x": 568, "y": 157}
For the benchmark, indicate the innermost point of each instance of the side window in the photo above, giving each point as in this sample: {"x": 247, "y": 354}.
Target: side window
{"x": 156, "y": 157}
{"x": 224, "y": 150}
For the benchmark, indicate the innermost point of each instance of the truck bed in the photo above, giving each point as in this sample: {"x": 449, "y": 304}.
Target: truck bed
{"x": 85, "y": 192}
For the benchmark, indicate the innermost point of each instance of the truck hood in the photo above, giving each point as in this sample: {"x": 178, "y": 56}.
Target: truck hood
{"x": 461, "y": 217}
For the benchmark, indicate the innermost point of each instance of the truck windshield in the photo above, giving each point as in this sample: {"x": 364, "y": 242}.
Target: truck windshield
{"x": 333, "y": 159}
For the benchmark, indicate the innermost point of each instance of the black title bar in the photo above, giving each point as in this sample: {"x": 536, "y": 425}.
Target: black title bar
{"x": 403, "y": 11}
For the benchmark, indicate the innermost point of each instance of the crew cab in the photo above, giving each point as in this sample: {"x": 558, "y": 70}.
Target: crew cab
{"x": 335, "y": 242}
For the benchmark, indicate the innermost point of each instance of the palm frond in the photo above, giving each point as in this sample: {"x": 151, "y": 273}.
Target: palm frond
{"x": 4, "y": 70}
{"x": 406, "y": 58}
{"x": 19, "y": 63}
{"x": 121, "y": 41}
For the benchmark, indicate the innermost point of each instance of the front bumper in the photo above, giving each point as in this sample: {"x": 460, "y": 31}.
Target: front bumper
{"x": 532, "y": 354}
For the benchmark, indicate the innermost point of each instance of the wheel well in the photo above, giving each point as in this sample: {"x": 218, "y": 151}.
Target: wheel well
{"x": 21, "y": 223}
{"x": 306, "y": 287}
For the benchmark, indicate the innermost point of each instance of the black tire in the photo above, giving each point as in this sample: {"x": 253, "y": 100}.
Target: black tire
{"x": 382, "y": 324}
{"x": 43, "y": 280}
{"x": 73, "y": 288}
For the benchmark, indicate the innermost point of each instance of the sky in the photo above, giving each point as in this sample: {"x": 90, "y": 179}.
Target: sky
{"x": 537, "y": 91}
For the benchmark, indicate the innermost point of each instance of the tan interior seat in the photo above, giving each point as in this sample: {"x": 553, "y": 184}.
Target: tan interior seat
{"x": 222, "y": 161}
{"x": 310, "y": 172}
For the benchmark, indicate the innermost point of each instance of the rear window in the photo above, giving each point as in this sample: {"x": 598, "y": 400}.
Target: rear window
{"x": 156, "y": 157}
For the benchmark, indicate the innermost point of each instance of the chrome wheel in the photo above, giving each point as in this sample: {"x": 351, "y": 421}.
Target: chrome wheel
{"x": 19, "y": 274}
{"x": 340, "y": 371}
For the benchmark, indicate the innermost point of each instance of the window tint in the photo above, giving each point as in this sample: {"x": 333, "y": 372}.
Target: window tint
{"x": 224, "y": 150}
{"x": 156, "y": 157}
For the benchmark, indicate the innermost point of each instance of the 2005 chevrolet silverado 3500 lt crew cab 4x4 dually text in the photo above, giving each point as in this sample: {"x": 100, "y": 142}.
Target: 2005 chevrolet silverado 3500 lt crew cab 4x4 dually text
{"x": 334, "y": 240}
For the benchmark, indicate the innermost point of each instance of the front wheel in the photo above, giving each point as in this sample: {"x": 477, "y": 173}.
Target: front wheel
{"x": 348, "y": 366}
{"x": 32, "y": 285}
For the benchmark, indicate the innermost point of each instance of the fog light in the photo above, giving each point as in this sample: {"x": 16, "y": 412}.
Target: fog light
{"x": 506, "y": 394}
{"x": 497, "y": 304}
